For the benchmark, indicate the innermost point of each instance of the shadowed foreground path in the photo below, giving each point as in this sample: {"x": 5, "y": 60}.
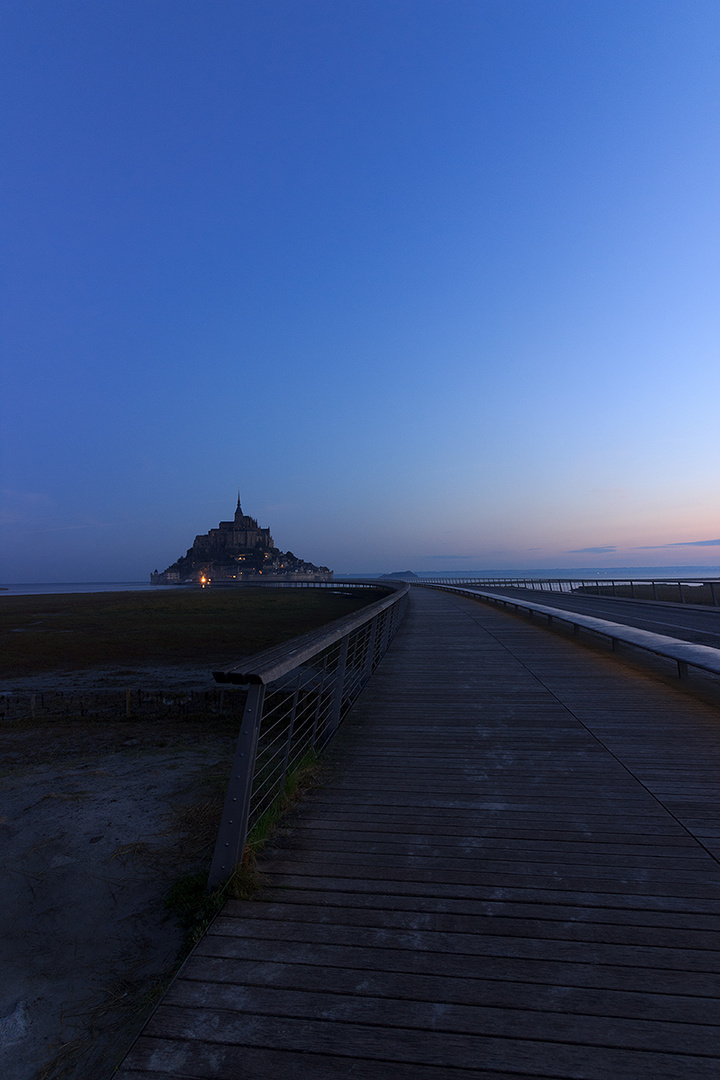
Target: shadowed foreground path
{"x": 508, "y": 872}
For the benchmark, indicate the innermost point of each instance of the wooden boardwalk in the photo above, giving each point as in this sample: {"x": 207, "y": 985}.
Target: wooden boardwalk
{"x": 509, "y": 871}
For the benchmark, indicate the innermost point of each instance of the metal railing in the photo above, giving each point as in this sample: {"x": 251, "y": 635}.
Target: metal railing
{"x": 297, "y": 694}
{"x": 289, "y": 583}
{"x": 685, "y": 590}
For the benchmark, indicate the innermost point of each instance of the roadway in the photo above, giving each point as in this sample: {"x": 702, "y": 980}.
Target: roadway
{"x": 700, "y": 625}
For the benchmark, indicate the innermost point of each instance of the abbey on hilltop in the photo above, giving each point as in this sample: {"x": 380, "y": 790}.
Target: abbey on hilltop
{"x": 238, "y": 550}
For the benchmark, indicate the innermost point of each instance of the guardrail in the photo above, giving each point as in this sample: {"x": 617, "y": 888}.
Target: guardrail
{"x": 297, "y": 694}
{"x": 684, "y": 653}
{"x": 290, "y": 583}
{"x": 668, "y": 590}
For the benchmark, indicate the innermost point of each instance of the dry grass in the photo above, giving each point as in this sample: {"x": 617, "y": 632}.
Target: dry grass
{"x": 188, "y": 898}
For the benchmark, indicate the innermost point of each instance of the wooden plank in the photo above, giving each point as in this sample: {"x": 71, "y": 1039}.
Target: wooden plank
{"x": 562, "y": 948}
{"x": 202, "y": 1060}
{"x": 571, "y": 909}
{"x": 638, "y": 900}
{"x": 415, "y": 1046}
{"x": 506, "y": 1021}
{"x": 515, "y": 876}
{"x": 535, "y": 996}
{"x": 452, "y": 924}
{"x": 509, "y": 968}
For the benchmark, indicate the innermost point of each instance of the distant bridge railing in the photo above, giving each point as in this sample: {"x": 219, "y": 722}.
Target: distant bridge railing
{"x": 684, "y": 654}
{"x": 686, "y": 590}
{"x": 297, "y": 693}
{"x": 293, "y": 583}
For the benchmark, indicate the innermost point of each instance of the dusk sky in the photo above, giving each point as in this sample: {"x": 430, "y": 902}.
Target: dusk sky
{"x": 436, "y": 283}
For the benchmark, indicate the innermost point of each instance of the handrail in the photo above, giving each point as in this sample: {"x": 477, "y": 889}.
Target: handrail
{"x": 297, "y": 694}
{"x": 600, "y": 586}
{"x": 684, "y": 653}
{"x": 271, "y": 664}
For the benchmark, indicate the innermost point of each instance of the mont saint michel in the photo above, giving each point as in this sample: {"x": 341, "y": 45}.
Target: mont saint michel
{"x": 238, "y": 550}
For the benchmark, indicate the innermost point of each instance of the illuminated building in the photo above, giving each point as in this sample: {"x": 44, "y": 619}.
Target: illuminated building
{"x": 238, "y": 550}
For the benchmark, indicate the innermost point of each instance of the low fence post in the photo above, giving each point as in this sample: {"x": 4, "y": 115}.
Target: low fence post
{"x": 385, "y": 638}
{"x": 291, "y": 727}
{"x": 334, "y": 720}
{"x": 320, "y": 692}
{"x": 370, "y": 657}
{"x": 236, "y": 811}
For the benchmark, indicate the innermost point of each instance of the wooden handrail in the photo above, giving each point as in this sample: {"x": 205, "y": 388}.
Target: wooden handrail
{"x": 270, "y": 664}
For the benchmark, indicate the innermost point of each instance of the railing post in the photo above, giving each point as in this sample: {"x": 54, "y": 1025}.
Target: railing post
{"x": 385, "y": 637}
{"x": 236, "y": 811}
{"x": 712, "y": 594}
{"x": 682, "y": 598}
{"x": 370, "y": 658}
{"x": 654, "y": 588}
{"x": 291, "y": 725}
{"x": 334, "y": 720}
{"x": 321, "y": 689}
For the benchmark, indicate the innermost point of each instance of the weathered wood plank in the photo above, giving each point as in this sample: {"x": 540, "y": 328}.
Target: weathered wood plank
{"x": 638, "y": 900}
{"x": 570, "y": 910}
{"x": 535, "y": 996}
{"x": 415, "y": 1046}
{"x": 443, "y": 1016}
{"x": 200, "y": 1060}
{"x": 455, "y": 925}
{"x": 509, "y": 968}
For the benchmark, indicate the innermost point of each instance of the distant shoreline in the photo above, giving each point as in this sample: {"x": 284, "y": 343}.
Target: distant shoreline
{"x": 584, "y": 572}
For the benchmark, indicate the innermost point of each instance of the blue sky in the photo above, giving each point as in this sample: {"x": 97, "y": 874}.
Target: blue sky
{"x": 435, "y": 282}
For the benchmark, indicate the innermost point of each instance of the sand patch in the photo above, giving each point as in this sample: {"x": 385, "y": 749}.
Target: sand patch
{"x": 94, "y": 830}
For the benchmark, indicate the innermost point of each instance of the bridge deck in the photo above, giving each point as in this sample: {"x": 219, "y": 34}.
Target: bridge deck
{"x": 509, "y": 871}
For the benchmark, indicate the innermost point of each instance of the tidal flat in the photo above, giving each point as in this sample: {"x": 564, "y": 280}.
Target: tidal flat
{"x": 73, "y": 632}
{"x": 112, "y": 775}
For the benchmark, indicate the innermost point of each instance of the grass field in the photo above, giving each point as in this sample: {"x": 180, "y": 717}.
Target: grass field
{"x": 74, "y": 631}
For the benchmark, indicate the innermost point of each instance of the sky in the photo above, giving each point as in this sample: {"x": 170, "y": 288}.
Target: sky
{"x": 434, "y": 283}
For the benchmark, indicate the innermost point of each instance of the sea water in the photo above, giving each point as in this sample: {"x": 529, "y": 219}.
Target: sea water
{"x": 575, "y": 573}
{"x": 32, "y": 589}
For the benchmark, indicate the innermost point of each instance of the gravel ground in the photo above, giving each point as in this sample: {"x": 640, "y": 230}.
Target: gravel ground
{"x": 96, "y": 821}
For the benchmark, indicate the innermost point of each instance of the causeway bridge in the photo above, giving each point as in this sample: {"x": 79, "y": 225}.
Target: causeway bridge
{"x": 509, "y": 868}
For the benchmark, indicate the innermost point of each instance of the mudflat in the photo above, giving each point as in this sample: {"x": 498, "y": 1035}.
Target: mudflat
{"x": 78, "y": 631}
{"x": 101, "y": 813}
